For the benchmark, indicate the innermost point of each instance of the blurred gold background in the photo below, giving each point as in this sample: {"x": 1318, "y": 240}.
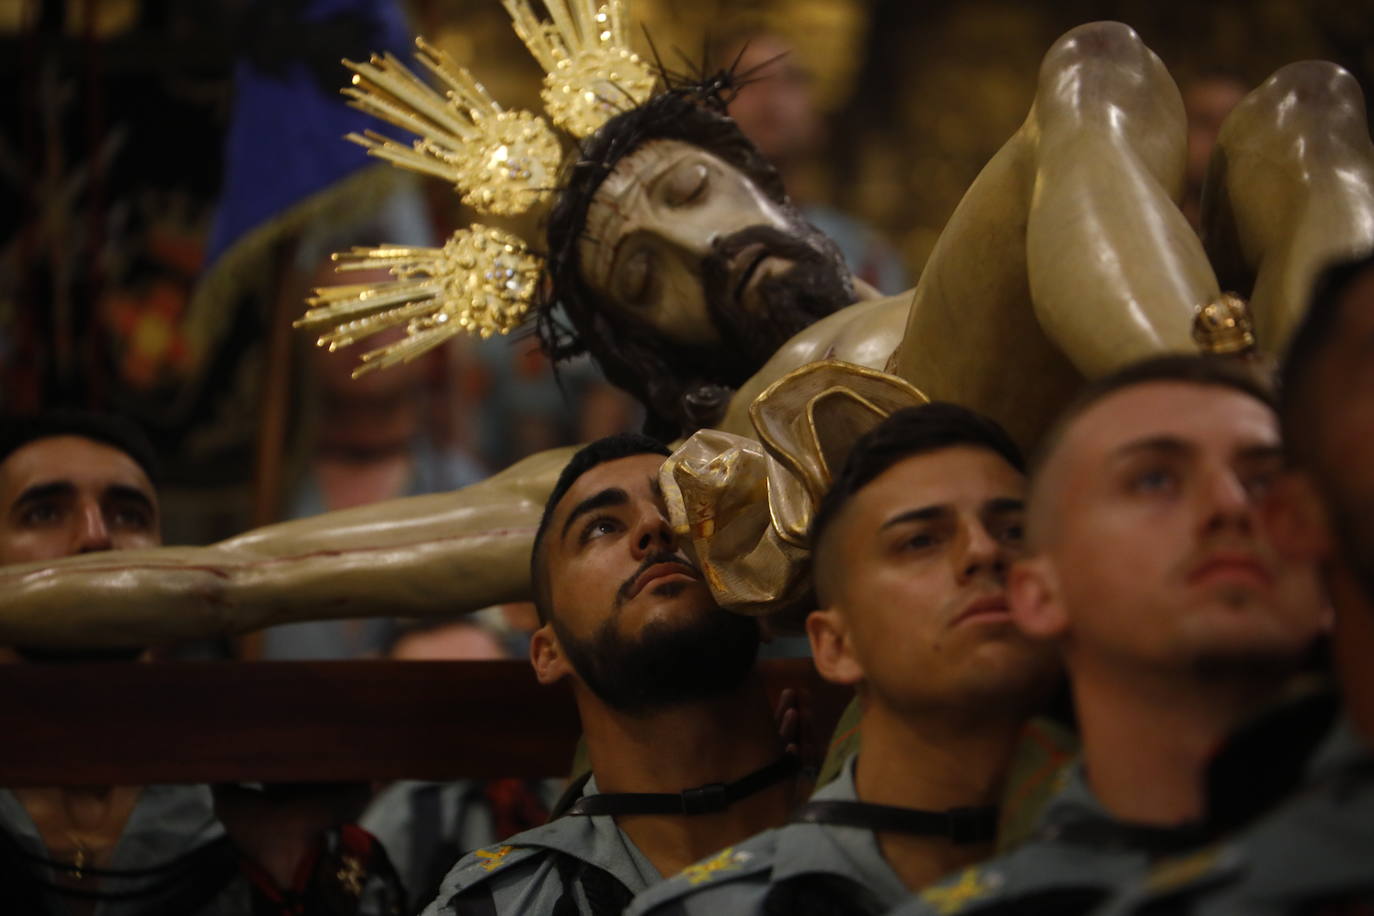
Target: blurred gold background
{"x": 917, "y": 96}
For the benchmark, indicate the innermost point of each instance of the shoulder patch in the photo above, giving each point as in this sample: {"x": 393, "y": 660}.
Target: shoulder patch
{"x": 950, "y": 897}
{"x": 727, "y": 860}
{"x": 492, "y": 859}
{"x": 742, "y": 861}
{"x": 475, "y": 869}
{"x": 1181, "y": 878}
{"x": 480, "y": 864}
{"x": 1203, "y": 866}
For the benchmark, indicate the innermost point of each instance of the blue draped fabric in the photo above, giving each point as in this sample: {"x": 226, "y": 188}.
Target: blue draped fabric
{"x": 285, "y": 140}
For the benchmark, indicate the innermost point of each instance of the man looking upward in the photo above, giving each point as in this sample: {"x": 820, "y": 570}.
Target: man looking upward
{"x": 1312, "y": 853}
{"x": 1172, "y": 608}
{"x": 911, "y": 550}
{"x": 75, "y": 483}
{"x": 684, "y": 755}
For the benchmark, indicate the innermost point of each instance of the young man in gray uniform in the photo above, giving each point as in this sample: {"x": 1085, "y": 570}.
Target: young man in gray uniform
{"x": 685, "y": 758}
{"x": 911, "y": 549}
{"x": 1314, "y": 851}
{"x": 73, "y": 482}
{"x": 1173, "y": 610}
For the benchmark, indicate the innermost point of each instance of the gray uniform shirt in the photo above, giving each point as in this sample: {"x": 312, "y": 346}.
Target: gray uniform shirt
{"x": 426, "y": 827}
{"x": 1075, "y": 859}
{"x": 167, "y": 822}
{"x": 1312, "y": 854}
{"x": 521, "y": 875}
{"x": 738, "y": 879}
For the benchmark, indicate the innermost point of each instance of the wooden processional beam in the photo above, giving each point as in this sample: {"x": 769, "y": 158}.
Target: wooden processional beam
{"x": 134, "y": 724}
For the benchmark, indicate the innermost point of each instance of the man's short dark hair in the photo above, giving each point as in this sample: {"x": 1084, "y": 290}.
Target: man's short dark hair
{"x": 611, "y": 448}
{"x": 1188, "y": 368}
{"x": 632, "y": 357}
{"x": 1314, "y": 332}
{"x": 909, "y": 432}
{"x": 107, "y": 429}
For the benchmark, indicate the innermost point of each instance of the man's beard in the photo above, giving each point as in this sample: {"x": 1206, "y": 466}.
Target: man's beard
{"x": 669, "y": 664}
{"x": 816, "y": 285}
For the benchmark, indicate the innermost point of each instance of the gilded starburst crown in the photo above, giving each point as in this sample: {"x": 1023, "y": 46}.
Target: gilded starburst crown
{"x": 501, "y": 162}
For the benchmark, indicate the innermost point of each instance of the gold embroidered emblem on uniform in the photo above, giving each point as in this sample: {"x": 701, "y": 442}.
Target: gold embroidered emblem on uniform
{"x": 952, "y": 898}
{"x": 494, "y": 858}
{"x": 1176, "y": 873}
{"x": 725, "y": 860}
{"x": 350, "y": 875}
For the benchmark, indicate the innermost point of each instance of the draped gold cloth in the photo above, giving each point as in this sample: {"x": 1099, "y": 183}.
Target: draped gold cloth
{"x": 745, "y": 507}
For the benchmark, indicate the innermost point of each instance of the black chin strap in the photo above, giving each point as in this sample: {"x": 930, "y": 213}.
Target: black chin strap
{"x": 959, "y": 825}
{"x": 707, "y": 799}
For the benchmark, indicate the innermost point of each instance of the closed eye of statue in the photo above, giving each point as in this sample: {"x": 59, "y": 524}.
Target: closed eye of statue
{"x": 687, "y": 184}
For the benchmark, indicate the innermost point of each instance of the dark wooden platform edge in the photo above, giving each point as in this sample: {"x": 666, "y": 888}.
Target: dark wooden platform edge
{"x": 134, "y": 724}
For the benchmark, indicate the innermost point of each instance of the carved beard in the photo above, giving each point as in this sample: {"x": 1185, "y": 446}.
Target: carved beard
{"x": 817, "y": 284}
{"x": 687, "y": 388}
{"x": 669, "y": 664}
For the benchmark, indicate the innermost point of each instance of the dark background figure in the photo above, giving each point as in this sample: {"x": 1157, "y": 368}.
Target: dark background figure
{"x": 1207, "y": 101}
{"x": 777, "y": 111}
{"x": 427, "y": 826}
{"x": 367, "y": 439}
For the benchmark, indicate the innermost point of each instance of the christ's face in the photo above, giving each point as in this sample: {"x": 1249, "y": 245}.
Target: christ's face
{"x": 676, "y": 236}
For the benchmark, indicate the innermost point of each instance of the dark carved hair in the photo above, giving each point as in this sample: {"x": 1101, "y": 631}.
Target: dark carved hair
{"x": 107, "y": 429}
{"x": 677, "y": 395}
{"x": 908, "y": 432}
{"x": 611, "y": 448}
{"x": 1314, "y": 332}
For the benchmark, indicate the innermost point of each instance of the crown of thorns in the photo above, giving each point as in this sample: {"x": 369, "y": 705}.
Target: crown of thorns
{"x": 484, "y": 280}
